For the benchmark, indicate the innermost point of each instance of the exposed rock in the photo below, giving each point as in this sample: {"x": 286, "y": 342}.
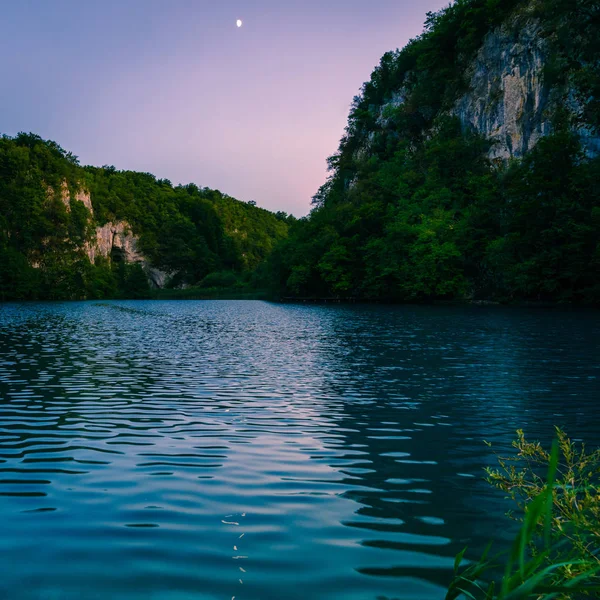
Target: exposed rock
{"x": 118, "y": 238}
{"x": 85, "y": 197}
{"x": 509, "y": 101}
{"x": 156, "y": 277}
{"x": 397, "y": 100}
{"x": 111, "y": 238}
{"x": 65, "y": 197}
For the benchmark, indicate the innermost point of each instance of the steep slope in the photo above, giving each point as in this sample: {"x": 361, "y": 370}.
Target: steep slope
{"x": 68, "y": 231}
{"x": 469, "y": 165}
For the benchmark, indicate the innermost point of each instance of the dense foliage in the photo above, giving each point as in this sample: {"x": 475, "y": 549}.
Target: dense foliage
{"x": 557, "y": 551}
{"x": 188, "y": 232}
{"x": 575, "y": 519}
{"x": 413, "y": 209}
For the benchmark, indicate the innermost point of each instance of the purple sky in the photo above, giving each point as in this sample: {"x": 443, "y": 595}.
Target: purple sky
{"x": 172, "y": 87}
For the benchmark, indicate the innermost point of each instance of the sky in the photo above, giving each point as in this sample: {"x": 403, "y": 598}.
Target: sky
{"x": 174, "y": 88}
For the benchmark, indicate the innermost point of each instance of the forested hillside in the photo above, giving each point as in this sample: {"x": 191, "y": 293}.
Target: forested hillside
{"x": 68, "y": 231}
{"x": 469, "y": 168}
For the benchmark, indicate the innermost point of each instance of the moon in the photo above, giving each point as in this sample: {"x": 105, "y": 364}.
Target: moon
{"x": 239, "y": 23}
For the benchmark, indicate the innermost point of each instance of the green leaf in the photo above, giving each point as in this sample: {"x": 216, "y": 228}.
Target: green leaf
{"x": 458, "y": 559}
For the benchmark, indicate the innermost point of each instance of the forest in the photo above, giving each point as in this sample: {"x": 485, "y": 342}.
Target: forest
{"x": 197, "y": 235}
{"x": 424, "y": 214}
{"x": 415, "y": 211}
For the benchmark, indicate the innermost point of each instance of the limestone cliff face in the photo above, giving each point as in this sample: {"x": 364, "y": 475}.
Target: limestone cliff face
{"x": 65, "y": 197}
{"x": 508, "y": 99}
{"x": 118, "y": 238}
{"x": 111, "y": 238}
{"x": 115, "y": 237}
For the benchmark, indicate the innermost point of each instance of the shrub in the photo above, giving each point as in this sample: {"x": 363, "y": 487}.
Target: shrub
{"x": 557, "y": 551}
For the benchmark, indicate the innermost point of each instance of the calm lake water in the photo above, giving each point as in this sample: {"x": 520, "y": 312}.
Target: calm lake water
{"x": 210, "y": 450}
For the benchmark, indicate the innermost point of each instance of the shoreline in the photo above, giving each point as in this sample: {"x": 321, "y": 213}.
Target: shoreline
{"x": 263, "y": 297}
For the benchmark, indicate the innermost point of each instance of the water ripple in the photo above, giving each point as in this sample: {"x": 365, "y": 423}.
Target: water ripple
{"x": 249, "y": 450}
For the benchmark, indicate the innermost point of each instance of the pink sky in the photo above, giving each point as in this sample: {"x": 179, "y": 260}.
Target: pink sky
{"x": 176, "y": 89}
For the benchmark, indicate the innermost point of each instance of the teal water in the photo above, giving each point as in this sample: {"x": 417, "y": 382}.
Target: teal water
{"x": 211, "y": 450}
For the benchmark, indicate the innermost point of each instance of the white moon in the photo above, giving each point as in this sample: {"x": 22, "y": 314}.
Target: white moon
{"x": 239, "y": 23}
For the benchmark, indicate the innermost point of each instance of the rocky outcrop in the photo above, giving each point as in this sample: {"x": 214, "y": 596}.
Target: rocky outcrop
{"x": 81, "y": 195}
{"x": 111, "y": 239}
{"x": 118, "y": 239}
{"x": 85, "y": 197}
{"x": 507, "y": 100}
{"x": 398, "y": 98}
{"x": 115, "y": 237}
{"x": 157, "y": 278}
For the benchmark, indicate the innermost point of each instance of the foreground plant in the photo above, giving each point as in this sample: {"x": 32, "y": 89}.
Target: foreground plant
{"x": 557, "y": 551}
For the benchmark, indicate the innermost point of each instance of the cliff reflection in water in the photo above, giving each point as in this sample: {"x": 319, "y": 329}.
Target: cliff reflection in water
{"x": 219, "y": 449}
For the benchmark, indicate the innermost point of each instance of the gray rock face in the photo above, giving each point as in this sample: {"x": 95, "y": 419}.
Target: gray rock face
{"x": 397, "y": 100}
{"x": 115, "y": 237}
{"x": 157, "y": 278}
{"x": 507, "y": 98}
{"x": 509, "y": 101}
{"x": 65, "y": 197}
{"x": 84, "y": 196}
{"x": 109, "y": 238}
{"x": 590, "y": 140}
{"x": 118, "y": 237}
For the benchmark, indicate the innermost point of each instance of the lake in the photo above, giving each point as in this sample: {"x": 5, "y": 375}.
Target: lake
{"x": 220, "y": 449}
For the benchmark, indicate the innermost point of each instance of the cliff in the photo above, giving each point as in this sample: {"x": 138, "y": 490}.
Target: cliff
{"x": 111, "y": 241}
{"x": 510, "y": 95}
{"x": 468, "y": 169}
{"x": 508, "y": 100}
{"x": 511, "y": 100}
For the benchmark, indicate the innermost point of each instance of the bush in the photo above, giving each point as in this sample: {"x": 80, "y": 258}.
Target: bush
{"x": 557, "y": 551}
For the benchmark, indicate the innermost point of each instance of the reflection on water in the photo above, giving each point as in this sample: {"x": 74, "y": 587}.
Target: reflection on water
{"x": 198, "y": 450}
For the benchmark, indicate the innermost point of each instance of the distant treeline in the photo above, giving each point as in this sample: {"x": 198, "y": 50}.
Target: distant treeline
{"x": 197, "y": 235}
